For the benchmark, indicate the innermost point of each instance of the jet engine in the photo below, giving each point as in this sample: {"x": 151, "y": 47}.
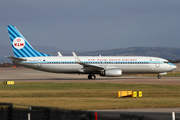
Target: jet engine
{"x": 113, "y": 72}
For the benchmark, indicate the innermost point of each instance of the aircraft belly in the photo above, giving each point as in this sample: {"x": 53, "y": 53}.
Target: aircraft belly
{"x": 61, "y": 68}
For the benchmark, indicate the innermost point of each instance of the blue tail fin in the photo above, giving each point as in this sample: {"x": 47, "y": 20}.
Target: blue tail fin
{"x": 20, "y": 45}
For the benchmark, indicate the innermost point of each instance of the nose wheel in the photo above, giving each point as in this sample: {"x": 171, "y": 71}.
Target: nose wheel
{"x": 91, "y": 76}
{"x": 159, "y": 77}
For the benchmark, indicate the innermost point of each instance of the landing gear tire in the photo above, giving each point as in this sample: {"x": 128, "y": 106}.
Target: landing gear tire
{"x": 91, "y": 76}
{"x": 159, "y": 77}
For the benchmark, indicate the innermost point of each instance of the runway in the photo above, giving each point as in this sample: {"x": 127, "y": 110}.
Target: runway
{"x": 25, "y": 74}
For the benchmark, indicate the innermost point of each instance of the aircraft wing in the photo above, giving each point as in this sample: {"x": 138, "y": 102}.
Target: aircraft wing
{"x": 17, "y": 59}
{"x": 94, "y": 67}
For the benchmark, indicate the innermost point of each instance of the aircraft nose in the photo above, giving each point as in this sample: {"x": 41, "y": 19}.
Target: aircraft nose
{"x": 173, "y": 66}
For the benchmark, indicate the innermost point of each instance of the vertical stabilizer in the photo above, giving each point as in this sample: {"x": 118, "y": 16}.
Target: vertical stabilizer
{"x": 20, "y": 45}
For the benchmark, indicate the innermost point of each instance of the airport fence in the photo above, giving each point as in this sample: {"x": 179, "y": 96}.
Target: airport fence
{"x": 18, "y": 112}
{"x": 8, "y": 111}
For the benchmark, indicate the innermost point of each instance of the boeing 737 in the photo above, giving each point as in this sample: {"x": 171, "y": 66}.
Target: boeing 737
{"x": 109, "y": 66}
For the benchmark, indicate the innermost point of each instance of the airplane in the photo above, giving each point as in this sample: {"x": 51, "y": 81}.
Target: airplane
{"x": 109, "y": 66}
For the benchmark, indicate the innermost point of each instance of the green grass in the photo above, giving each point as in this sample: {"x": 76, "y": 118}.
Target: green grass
{"x": 86, "y": 96}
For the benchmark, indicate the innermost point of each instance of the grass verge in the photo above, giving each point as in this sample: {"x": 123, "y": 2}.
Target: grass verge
{"x": 88, "y": 96}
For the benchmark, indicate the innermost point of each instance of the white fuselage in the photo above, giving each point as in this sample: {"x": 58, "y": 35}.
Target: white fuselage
{"x": 128, "y": 64}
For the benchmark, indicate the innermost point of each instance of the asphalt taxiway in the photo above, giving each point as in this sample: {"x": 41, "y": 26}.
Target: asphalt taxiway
{"x": 25, "y": 74}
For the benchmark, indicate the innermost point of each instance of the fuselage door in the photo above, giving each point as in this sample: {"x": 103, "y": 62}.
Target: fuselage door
{"x": 157, "y": 63}
{"x": 39, "y": 63}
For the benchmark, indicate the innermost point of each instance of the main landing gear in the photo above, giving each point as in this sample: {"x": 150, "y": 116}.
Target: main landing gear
{"x": 91, "y": 76}
{"x": 159, "y": 77}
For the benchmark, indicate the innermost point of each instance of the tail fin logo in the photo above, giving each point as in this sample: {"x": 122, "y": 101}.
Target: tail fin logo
{"x": 18, "y": 43}
{"x": 19, "y": 40}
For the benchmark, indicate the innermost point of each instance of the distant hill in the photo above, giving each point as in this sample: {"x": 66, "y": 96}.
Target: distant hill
{"x": 171, "y": 53}
{"x": 163, "y": 52}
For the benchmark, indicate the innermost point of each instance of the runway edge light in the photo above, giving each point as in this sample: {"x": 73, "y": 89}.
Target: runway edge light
{"x": 8, "y": 82}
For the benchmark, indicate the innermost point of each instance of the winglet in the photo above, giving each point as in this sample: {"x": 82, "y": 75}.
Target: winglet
{"x": 59, "y": 54}
{"x": 76, "y": 58}
{"x": 85, "y": 65}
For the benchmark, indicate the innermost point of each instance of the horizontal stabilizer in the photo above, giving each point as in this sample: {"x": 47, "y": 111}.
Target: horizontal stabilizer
{"x": 17, "y": 59}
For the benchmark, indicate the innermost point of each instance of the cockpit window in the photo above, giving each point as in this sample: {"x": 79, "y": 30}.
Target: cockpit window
{"x": 166, "y": 61}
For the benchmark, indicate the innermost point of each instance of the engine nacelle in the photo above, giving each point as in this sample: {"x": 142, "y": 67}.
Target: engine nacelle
{"x": 114, "y": 72}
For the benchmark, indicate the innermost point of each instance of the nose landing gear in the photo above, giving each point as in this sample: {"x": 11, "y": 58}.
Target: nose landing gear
{"x": 91, "y": 76}
{"x": 159, "y": 77}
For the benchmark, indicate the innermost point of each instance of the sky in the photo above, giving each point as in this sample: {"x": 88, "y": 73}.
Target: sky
{"x": 88, "y": 25}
